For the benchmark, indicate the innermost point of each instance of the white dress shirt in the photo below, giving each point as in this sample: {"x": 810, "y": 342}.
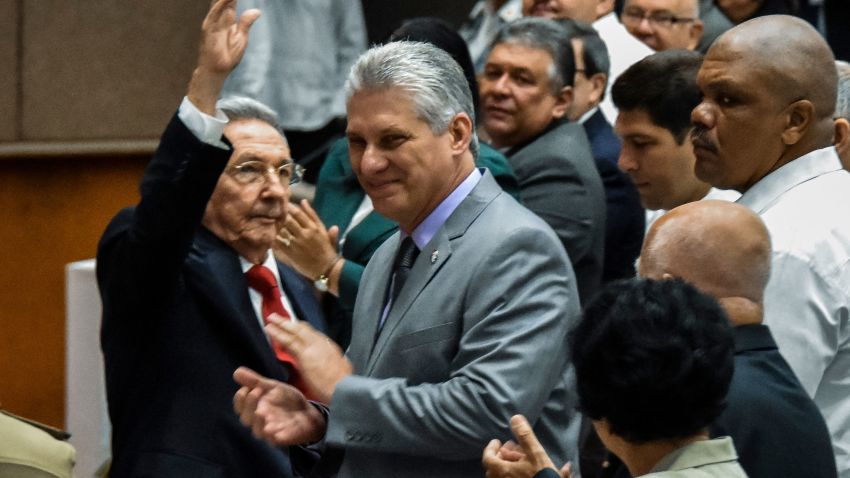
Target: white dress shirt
{"x": 807, "y": 302}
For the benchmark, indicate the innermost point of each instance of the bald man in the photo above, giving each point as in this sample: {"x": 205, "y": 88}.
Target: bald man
{"x": 765, "y": 128}
{"x": 724, "y": 250}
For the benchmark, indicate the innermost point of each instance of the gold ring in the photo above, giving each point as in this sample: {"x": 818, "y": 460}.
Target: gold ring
{"x": 285, "y": 240}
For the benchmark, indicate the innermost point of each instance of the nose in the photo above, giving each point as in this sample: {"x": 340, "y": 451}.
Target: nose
{"x": 626, "y": 161}
{"x": 372, "y": 161}
{"x": 703, "y": 116}
{"x": 643, "y": 25}
{"x": 274, "y": 187}
{"x": 501, "y": 85}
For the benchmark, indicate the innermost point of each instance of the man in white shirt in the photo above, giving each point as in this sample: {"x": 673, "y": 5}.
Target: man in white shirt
{"x": 765, "y": 128}
{"x": 623, "y": 48}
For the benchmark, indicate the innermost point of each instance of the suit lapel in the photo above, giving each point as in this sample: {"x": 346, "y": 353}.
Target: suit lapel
{"x": 214, "y": 269}
{"x": 430, "y": 261}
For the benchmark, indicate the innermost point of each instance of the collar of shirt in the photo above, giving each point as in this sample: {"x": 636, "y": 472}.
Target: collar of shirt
{"x": 257, "y": 298}
{"x": 426, "y": 230}
{"x": 769, "y": 188}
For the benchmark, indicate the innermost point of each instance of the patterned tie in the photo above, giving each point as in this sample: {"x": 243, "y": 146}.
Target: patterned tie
{"x": 262, "y": 279}
{"x": 407, "y": 254}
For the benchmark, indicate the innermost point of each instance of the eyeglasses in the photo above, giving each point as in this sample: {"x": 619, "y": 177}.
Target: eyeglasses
{"x": 664, "y": 19}
{"x": 254, "y": 172}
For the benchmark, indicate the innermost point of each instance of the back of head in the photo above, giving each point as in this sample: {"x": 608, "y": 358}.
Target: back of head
{"x": 437, "y": 85}
{"x": 842, "y": 102}
{"x": 664, "y": 86}
{"x": 653, "y": 358}
{"x": 547, "y": 35}
{"x": 720, "y": 247}
{"x": 441, "y": 34}
{"x": 594, "y": 50}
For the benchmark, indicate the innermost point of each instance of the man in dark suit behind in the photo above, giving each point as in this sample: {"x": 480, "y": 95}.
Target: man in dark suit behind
{"x": 526, "y": 89}
{"x": 178, "y": 314}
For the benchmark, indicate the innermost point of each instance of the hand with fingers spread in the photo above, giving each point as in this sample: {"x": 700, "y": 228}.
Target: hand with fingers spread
{"x": 321, "y": 362}
{"x": 276, "y": 412}
{"x": 223, "y": 42}
{"x": 523, "y": 460}
{"x": 307, "y": 246}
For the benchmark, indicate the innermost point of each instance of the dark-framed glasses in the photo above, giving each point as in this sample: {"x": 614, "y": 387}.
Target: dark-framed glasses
{"x": 662, "y": 18}
{"x": 256, "y": 172}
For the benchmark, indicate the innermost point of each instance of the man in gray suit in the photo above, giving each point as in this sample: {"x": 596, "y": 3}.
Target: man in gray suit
{"x": 526, "y": 91}
{"x": 448, "y": 342}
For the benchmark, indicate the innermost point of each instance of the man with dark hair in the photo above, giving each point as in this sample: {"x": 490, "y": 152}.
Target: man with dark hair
{"x": 653, "y": 360}
{"x": 624, "y": 220}
{"x": 187, "y": 279}
{"x": 526, "y": 90}
{"x": 765, "y": 128}
{"x": 655, "y": 97}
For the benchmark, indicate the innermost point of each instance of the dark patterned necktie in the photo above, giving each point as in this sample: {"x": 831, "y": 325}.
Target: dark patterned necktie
{"x": 404, "y": 262}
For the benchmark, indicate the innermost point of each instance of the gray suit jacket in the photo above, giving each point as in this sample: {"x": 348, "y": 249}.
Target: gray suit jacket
{"x": 477, "y": 334}
{"x": 559, "y": 182}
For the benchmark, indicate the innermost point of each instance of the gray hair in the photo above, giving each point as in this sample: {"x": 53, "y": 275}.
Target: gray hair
{"x": 435, "y": 81}
{"x": 842, "y": 102}
{"x": 243, "y": 108}
{"x": 548, "y": 35}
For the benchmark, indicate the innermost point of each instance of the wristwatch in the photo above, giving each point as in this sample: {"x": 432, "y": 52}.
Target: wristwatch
{"x": 322, "y": 282}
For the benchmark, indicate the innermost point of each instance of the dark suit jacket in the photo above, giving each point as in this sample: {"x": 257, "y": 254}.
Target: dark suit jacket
{"x": 559, "y": 182}
{"x": 777, "y": 429}
{"x": 338, "y": 195}
{"x": 625, "y": 217}
{"x": 177, "y": 321}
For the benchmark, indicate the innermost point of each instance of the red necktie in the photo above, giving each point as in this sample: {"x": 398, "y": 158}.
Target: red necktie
{"x": 261, "y": 279}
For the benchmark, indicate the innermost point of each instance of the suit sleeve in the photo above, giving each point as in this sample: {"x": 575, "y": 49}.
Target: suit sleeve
{"x": 512, "y": 352}
{"x": 143, "y": 248}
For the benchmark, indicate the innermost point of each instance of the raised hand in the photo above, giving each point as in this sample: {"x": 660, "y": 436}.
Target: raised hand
{"x": 305, "y": 244}
{"x": 518, "y": 461}
{"x": 276, "y": 412}
{"x": 223, "y": 42}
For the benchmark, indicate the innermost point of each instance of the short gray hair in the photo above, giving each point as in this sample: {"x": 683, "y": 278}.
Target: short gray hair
{"x": 435, "y": 81}
{"x": 842, "y": 102}
{"x": 244, "y": 108}
{"x": 548, "y": 35}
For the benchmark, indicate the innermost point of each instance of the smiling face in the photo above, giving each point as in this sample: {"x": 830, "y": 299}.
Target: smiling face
{"x": 404, "y": 167}
{"x": 738, "y": 125}
{"x": 517, "y": 99}
{"x": 661, "y": 169}
{"x": 246, "y": 216}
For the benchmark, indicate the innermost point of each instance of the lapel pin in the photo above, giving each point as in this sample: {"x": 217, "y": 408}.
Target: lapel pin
{"x": 434, "y": 256}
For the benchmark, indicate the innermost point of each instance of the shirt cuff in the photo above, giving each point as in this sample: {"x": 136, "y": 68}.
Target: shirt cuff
{"x": 206, "y": 128}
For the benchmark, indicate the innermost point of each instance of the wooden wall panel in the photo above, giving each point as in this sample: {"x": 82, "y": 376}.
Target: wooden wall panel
{"x": 95, "y": 69}
{"x": 54, "y": 212}
{"x": 8, "y": 69}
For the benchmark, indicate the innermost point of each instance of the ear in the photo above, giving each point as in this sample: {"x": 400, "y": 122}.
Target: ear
{"x": 460, "y": 130}
{"x": 599, "y": 81}
{"x": 798, "y": 117}
{"x": 697, "y": 28}
{"x": 562, "y": 102}
{"x": 842, "y": 141}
